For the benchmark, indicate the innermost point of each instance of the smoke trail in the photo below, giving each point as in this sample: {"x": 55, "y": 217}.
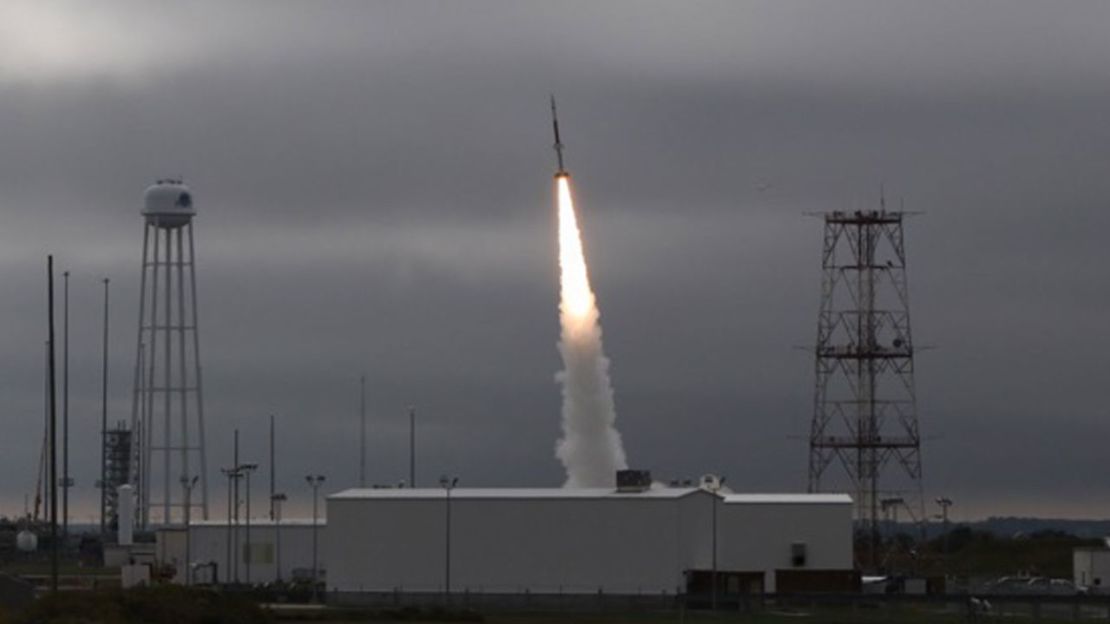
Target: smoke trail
{"x": 591, "y": 449}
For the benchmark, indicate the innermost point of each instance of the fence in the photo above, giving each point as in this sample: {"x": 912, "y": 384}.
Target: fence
{"x": 960, "y": 607}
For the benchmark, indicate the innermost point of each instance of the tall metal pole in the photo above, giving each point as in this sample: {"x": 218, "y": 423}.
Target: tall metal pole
{"x": 412, "y": 446}
{"x": 273, "y": 468}
{"x": 448, "y": 484}
{"x": 276, "y": 500}
{"x": 362, "y": 432}
{"x": 187, "y": 484}
{"x": 246, "y": 470}
{"x": 945, "y": 503}
{"x": 713, "y": 583}
{"x": 247, "y": 561}
{"x": 229, "y": 473}
{"x": 53, "y": 436}
{"x": 65, "y": 405}
{"x": 315, "y": 481}
{"x": 104, "y": 419}
{"x": 235, "y": 534}
{"x": 315, "y": 521}
{"x": 45, "y": 475}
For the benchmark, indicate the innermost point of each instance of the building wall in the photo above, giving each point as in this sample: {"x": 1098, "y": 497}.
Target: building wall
{"x": 509, "y": 545}
{"x": 209, "y": 544}
{"x": 571, "y": 545}
{"x": 1092, "y": 568}
{"x": 760, "y": 536}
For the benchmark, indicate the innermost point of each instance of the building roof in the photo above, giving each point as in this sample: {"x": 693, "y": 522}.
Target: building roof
{"x": 581, "y": 493}
{"x": 788, "y": 499}
{"x": 509, "y": 493}
{"x": 256, "y": 523}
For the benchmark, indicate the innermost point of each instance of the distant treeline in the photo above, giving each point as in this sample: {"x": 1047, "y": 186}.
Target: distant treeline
{"x": 1017, "y": 527}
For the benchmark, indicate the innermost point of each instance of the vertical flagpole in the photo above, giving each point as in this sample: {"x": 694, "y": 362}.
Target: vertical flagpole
{"x": 104, "y": 418}
{"x": 53, "y": 436}
{"x": 362, "y": 432}
{"x": 273, "y": 470}
{"x": 65, "y": 405}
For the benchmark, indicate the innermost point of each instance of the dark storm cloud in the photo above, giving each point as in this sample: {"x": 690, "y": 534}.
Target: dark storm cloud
{"x": 374, "y": 195}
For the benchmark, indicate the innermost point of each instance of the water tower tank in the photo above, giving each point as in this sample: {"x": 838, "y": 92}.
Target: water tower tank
{"x": 26, "y": 541}
{"x": 168, "y": 204}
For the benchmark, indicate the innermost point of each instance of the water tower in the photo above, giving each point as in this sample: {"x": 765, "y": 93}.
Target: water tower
{"x": 167, "y": 408}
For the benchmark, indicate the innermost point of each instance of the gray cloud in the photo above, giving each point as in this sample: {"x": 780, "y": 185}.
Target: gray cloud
{"x": 373, "y": 187}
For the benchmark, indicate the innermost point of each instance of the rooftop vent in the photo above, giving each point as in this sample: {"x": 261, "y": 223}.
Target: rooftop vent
{"x": 630, "y": 481}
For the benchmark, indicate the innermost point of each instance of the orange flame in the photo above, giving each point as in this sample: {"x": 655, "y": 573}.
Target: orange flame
{"x": 574, "y": 282}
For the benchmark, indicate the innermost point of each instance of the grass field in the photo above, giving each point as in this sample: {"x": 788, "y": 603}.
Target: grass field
{"x": 907, "y": 614}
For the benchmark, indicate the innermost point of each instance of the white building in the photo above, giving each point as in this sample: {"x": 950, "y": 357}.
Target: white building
{"x": 267, "y": 549}
{"x": 1092, "y": 568}
{"x": 568, "y": 541}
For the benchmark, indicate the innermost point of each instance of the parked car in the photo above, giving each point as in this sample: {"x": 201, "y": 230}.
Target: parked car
{"x": 1008, "y": 585}
{"x": 1053, "y": 586}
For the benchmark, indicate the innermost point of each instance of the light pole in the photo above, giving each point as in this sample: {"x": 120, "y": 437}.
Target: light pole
{"x": 412, "y": 446}
{"x": 188, "y": 484}
{"x": 66, "y": 481}
{"x": 246, "y": 470}
{"x": 945, "y": 503}
{"x": 104, "y": 420}
{"x": 714, "y": 487}
{"x": 890, "y": 513}
{"x": 315, "y": 481}
{"x": 275, "y": 502}
{"x": 448, "y": 484}
{"x": 231, "y": 474}
{"x": 362, "y": 432}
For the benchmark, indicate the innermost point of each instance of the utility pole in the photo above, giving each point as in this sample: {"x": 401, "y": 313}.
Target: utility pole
{"x": 412, "y": 446}
{"x": 275, "y": 502}
{"x": 246, "y": 470}
{"x": 235, "y": 487}
{"x": 315, "y": 481}
{"x": 230, "y": 474}
{"x": 714, "y": 488}
{"x": 187, "y": 484}
{"x": 362, "y": 432}
{"x": 53, "y": 435}
{"x": 447, "y": 484}
{"x": 65, "y": 406}
{"x": 104, "y": 421}
{"x": 273, "y": 468}
{"x": 945, "y": 503}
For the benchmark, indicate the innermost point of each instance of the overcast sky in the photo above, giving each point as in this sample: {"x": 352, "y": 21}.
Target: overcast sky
{"x": 373, "y": 186}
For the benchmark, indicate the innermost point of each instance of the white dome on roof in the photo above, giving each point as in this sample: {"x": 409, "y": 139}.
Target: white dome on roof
{"x": 168, "y": 204}
{"x": 26, "y": 541}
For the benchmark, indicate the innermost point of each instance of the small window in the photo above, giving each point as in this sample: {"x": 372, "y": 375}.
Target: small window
{"x": 798, "y": 554}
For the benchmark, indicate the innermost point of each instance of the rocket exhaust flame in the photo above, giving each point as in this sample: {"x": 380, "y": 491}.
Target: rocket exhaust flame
{"x": 591, "y": 449}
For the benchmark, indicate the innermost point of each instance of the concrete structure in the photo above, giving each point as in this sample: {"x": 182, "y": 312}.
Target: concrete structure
{"x": 575, "y": 541}
{"x": 208, "y": 551}
{"x": 1091, "y": 567}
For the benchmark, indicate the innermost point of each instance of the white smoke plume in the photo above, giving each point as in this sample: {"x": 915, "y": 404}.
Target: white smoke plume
{"x": 591, "y": 449}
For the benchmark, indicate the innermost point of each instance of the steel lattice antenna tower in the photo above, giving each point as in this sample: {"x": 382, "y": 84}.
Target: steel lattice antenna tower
{"x": 864, "y": 409}
{"x": 167, "y": 409}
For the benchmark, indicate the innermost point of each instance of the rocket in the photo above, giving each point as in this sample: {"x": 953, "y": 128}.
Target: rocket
{"x": 558, "y": 143}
